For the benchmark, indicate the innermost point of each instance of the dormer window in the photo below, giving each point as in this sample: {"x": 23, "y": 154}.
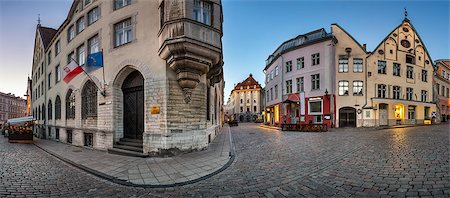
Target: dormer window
{"x": 202, "y": 12}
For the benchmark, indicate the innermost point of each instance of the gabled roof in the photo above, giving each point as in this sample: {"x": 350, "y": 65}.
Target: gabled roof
{"x": 349, "y": 35}
{"x": 47, "y": 34}
{"x": 414, "y": 29}
{"x": 70, "y": 14}
{"x": 250, "y": 81}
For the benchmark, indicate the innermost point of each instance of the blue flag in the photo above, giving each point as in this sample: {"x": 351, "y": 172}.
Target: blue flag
{"x": 94, "y": 61}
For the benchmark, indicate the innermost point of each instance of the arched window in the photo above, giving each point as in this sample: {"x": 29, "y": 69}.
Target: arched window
{"x": 57, "y": 108}
{"x": 70, "y": 104}
{"x": 89, "y": 100}
{"x": 43, "y": 112}
{"x": 50, "y": 112}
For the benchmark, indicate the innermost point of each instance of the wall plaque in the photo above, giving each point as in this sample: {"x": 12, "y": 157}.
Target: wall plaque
{"x": 154, "y": 110}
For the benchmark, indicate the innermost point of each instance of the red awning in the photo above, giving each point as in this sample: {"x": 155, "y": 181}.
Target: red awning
{"x": 292, "y": 98}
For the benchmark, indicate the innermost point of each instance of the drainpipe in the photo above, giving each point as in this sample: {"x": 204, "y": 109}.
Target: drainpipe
{"x": 282, "y": 86}
{"x": 365, "y": 88}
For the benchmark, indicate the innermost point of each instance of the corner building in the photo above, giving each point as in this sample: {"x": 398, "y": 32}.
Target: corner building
{"x": 162, "y": 87}
{"x": 299, "y": 81}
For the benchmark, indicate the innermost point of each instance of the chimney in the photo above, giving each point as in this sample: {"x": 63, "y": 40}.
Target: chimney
{"x": 364, "y": 47}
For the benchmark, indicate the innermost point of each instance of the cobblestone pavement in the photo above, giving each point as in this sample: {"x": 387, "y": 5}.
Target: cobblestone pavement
{"x": 269, "y": 163}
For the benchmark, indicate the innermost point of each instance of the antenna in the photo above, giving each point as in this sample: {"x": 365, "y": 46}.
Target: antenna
{"x": 39, "y": 19}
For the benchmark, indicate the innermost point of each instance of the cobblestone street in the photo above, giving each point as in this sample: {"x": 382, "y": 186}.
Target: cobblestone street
{"x": 392, "y": 162}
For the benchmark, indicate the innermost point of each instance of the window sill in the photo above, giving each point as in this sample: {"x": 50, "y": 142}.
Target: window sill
{"x": 125, "y": 44}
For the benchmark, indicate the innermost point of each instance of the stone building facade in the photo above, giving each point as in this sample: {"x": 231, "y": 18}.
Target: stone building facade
{"x": 11, "y": 106}
{"x": 244, "y": 103}
{"x": 441, "y": 84}
{"x": 161, "y": 87}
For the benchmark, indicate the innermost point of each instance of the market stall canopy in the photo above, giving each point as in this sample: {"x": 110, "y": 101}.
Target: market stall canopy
{"x": 19, "y": 121}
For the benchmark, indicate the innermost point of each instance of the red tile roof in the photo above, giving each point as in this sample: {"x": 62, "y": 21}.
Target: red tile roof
{"x": 47, "y": 34}
{"x": 250, "y": 81}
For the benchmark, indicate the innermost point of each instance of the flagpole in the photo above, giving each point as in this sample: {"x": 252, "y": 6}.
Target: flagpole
{"x": 103, "y": 68}
{"x": 101, "y": 92}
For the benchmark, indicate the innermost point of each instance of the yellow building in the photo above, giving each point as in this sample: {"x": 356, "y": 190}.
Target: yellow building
{"x": 399, "y": 80}
{"x": 392, "y": 85}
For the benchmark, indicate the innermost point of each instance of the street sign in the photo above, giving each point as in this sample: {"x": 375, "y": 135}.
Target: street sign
{"x": 433, "y": 114}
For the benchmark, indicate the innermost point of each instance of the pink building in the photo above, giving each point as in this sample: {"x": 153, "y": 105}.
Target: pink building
{"x": 300, "y": 81}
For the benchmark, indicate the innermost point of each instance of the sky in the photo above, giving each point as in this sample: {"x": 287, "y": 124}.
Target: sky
{"x": 253, "y": 29}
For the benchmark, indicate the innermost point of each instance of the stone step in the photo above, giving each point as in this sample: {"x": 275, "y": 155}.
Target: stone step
{"x": 126, "y": 152}
{"x": 130, "y": 140}
{"x": 130, "y": 148}
{"x": 134, "y": 144}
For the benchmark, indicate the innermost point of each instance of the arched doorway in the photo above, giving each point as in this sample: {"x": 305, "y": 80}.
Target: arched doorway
{"x": 133, "y": 106}
{"x": 347, "y": 117}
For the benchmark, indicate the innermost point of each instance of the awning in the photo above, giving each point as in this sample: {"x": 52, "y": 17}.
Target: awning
{"x": 292, "y": 98}
{"x": 18, "y": 121}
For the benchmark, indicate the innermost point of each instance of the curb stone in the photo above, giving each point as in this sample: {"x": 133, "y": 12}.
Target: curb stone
{"x": 126, "y": 183}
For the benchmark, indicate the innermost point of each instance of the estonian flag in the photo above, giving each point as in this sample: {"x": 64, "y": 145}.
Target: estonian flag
{"x": 94, "y": 61}
{"x": 70, "y": 71}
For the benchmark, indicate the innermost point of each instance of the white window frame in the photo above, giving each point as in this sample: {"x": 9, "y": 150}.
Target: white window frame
{"x": 410, "y": 72}
{"x": 358, "y": 64}
{"x": 96, "y": 45}
{"x": 396, "y": 92}
{"x": 202, "y": 12}
{"x": 288, "y": 66}
{"x": 121, "y": 3}
{"x": 71, "y": 33}
{"x": 343, "y": 88}
{"x": 396, "y": 69}
{"x": 81, "y": 55}
{"x": 93, "y": 15}
{"x": 321, "y": 107}
{"x": 382, "y": 67}
{"x": 288, "y": 86}
{"x": 300, "y": 63}
{"x": 315, "y": 59}
{"x": 123, "y": 32}
{"x": 358, "y": 90}
{"x": 300, "y": 84}
{"x": 57, "y": 73}
{"x": 80, "y": 25}
{"x": 315, "y": 82}
{"x": 409, "y": 93}
{"x": 343, "y": 65}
